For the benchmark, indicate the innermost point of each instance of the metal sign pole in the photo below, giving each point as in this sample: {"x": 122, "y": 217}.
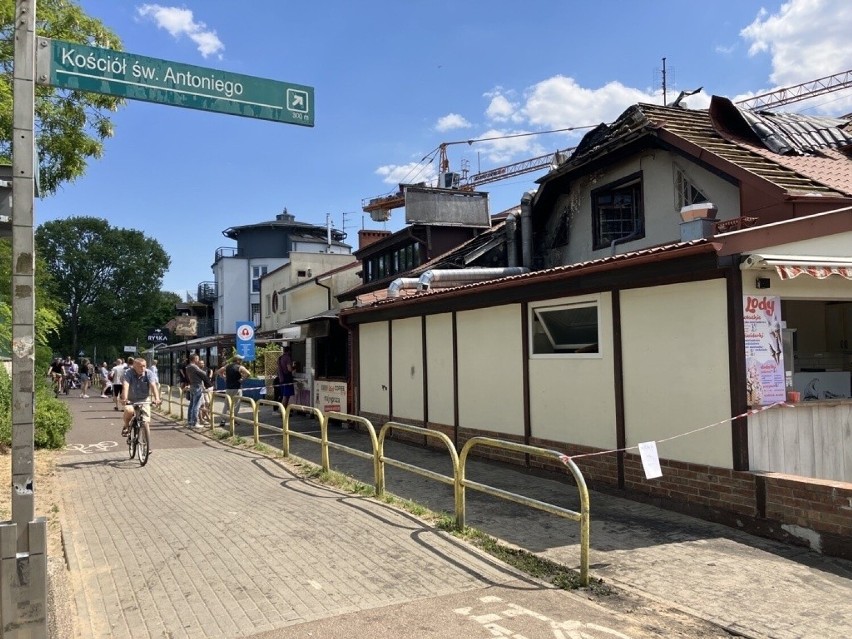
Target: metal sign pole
{"x": 23, "y": 541}
{"x": 23, "y": 267}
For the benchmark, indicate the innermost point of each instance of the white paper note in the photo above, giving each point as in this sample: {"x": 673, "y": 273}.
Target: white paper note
{"x": 650, "y": 460}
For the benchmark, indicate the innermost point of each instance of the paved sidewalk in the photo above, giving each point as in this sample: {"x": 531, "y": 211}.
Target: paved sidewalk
{"x": 244, "y": 546}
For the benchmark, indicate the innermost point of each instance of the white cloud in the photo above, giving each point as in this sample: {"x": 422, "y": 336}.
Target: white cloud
{"x": 500, "y": 109}
{"x": 806, "y": 39}
{"x": 559, "y": 102}
{"x": 452, "y": 121}
{"x": 410, "y": 173}
{"x": 180, "y": 22}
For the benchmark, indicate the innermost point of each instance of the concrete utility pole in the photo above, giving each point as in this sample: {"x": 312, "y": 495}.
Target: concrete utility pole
{"x": 23, "y": 556}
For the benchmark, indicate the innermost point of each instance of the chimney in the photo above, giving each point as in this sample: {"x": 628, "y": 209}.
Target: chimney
{"x": 699, "y": 221}
{"x": 366, "y": 237}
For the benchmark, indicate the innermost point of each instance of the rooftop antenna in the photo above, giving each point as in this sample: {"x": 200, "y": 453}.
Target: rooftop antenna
{"x": 665, "y": 97}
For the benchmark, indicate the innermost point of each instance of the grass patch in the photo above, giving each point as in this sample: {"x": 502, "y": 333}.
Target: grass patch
{"x": 525, "y": 561}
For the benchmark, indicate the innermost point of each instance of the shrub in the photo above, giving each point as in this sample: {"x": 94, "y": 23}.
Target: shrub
{"x": 52, "y": 417}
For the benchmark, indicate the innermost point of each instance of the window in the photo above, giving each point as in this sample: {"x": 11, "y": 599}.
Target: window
{"x": 255, "y": 314}
{"x": 565, "y": 329}
{"x": 256, "y": 273}
{"x": 269, "y": 303}
{"x": 686, "y": 192}
{"x": 617, "y": 211}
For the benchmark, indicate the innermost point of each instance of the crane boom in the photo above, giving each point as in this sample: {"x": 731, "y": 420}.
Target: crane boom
{"x": 799, "y": 92}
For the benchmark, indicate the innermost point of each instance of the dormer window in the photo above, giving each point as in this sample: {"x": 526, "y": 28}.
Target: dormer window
{"x": 618, "y": 212}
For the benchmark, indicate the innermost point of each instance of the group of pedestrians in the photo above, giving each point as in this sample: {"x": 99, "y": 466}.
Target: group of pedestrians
{"x": 67, "y": 375}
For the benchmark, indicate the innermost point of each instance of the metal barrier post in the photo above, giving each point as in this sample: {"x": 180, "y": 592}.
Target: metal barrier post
{"x": 235, "y": 416}
{"x": 371, "y": 431}
{"x": 226, "y": 400}
{"x": 285, "y": 433}
{"x": 166, "y": 390}
{"x": 582, "y": 516}
{"x": 419, "y": 430}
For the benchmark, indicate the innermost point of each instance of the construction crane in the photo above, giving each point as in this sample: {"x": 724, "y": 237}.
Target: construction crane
{"x": 379, "y": 207}
{"x": 798, "y": 92}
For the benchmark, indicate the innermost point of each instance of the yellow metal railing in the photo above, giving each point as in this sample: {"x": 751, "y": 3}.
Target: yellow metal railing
{"x": 226, "y": 415}
{"x": 582, "y": 516}
{"x": 286, "y": 433}
{"x": 445, "y": 479}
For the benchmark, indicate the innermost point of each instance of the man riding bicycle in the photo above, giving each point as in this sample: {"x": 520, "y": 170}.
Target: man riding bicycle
{"x": 57, "y": 373}
{"x": 137, "y": 386}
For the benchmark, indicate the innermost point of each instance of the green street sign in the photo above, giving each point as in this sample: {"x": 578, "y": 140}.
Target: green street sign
{"x": 79, "y": 67}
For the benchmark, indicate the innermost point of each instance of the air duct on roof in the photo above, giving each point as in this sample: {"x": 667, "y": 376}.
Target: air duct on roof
{"x": 400, "y": 283}
{"x": 467, "y": 275}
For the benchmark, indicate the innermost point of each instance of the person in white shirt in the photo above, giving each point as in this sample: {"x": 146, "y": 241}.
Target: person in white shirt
{"x": 117, "y": 378}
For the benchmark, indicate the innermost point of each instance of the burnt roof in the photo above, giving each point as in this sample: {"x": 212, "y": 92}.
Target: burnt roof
{"x": 743, "y": 139}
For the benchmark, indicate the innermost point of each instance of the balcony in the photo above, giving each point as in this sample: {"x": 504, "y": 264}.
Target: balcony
{"x": 207, "y": 293}
{"x": 226, "y": 251}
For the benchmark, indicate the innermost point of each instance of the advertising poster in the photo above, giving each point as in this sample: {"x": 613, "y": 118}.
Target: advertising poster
{"x": 764, "y": 355}
{"x": 330, "y": 396}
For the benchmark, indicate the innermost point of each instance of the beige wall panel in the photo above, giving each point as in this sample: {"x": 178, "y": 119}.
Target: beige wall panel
{"x": 572, "y": 399}
{"x": 676, "y": 374}
{"x": 836, "y": 245}
{"x": 439, "y": 361}
{"x": 373, "y": 371}
{"x": 407, "y": 372}
{"x": 490, "y": 369}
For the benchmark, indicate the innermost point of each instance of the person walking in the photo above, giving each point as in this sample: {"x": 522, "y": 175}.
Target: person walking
{"x": 196, "y": 377}
{"x": 85, "y": 377}
{"x": 117, "y": 377}
{"x": 105, "y": 383}
{"x": 234, "y": 374}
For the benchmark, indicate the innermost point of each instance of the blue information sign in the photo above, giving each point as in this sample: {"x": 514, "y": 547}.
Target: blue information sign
{"x": 245, "y": 340}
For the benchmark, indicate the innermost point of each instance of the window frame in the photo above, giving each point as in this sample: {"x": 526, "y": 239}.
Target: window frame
{"x": 586, "y": 301}
{"x": 632, "y": 182}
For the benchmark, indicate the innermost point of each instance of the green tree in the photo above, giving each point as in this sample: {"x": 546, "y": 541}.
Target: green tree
{"x": 107, "y": 279}
{"x": 70, "y": 125}
{"x": 47, "y": 319}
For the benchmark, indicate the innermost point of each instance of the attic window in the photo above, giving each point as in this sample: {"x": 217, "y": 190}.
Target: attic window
{"x": 618, "y": 211}
{"x": 686, "y": 193}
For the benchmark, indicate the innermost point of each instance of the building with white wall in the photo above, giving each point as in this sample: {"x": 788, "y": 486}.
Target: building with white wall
{"x": 260, "y": 249}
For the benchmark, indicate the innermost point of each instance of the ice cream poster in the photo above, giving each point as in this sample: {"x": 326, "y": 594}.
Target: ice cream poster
{"x": 764, "y": 355}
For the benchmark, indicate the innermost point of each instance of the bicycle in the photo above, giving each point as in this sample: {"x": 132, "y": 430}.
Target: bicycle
{"x": 139, "y": 437}
{"x": 58, "y": 386}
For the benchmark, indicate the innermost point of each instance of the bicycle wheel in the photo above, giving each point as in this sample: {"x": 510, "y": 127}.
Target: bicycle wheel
{"x": 142, "y": 448}
{"x": 132, "y": 438}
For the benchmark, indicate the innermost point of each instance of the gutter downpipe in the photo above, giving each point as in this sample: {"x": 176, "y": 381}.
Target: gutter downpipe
{"x": 511, "y": 248}
{"x": 328, "y": 292}
{"x": 622, "y": 240}
{"x": 467, "y": 275}
{"x": 526, "y": 228}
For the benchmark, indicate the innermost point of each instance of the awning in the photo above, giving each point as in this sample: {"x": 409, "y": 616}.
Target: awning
{"x": 791, "y": 266}
{"x": 291, "y": 333}
{"x": 819, "y": 272}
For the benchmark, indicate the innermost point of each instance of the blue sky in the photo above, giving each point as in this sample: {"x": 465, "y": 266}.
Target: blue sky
{"x": 394, "y": 79}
